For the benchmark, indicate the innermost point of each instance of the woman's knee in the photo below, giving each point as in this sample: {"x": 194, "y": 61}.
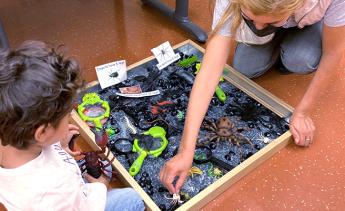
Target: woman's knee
{"x": 301, "y": 61}
{"x": 301, "y": 49}
{"x": 253, "y": 60}
{"x": 251, "y": 71}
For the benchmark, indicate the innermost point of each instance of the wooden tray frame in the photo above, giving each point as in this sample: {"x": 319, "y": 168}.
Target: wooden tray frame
{"x": 238, "y": 80}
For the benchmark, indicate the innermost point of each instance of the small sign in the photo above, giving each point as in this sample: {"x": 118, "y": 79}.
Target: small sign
{"x": 143, "y": 94}
{"x": 111, "y": 73}
{"x": 165, "y": 55}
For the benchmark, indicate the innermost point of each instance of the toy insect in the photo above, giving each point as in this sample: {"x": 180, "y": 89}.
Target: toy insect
{"x": 264, "y": 139}
{"x": 254, "y": 114}
{"x": 130, "y": 126}
{"x": 187, "y": 61}
{"x": 224, "y": 130}
{"x": 194, "y": 170}
{"x": 217, "y": 172}
{"x": 185, "y": 196}
{"x": 110, "y": 131}
{"x": 161, "y": 107}
{"x": 180, "y": 115}
{"x": 175, "y": 199}
{"x": 94, "y": 164}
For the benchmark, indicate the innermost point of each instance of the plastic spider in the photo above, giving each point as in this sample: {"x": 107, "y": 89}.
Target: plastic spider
{"x": 224, "y": 130}
{"x": 264, "y": 139}
{"x": 252, "y": 112}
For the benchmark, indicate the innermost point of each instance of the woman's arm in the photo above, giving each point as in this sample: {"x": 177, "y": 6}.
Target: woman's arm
{"x": 217, "y": 52}
{"x": 333, "y": 45}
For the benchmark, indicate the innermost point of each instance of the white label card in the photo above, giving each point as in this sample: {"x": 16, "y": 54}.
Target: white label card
{"x": 111, "y": 73}
{"x": 143, "y": 94}
{"x": 165, "y": 55}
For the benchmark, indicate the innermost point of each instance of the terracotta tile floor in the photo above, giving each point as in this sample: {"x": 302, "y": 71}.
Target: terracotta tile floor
{"x": 97, "y": 32}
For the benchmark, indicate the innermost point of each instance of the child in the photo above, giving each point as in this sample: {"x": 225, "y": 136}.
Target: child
{"x": 37, "y": 87}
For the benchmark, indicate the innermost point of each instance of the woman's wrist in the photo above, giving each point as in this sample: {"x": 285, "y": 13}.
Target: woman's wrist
{"x": 302, "y": 108}
{"x": 298, "y": 111}
{"x": 187, "y": 152}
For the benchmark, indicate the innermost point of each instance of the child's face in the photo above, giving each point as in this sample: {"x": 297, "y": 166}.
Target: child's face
{"x": 54, "y": 135}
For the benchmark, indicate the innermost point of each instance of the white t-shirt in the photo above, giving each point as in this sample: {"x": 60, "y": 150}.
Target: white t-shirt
{"x": 52, "y": 181}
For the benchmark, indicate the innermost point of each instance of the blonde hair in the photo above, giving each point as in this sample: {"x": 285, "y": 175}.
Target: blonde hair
{"x": 257, "y": 7}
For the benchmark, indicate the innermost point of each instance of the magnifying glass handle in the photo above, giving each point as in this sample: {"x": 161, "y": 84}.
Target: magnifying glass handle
{"x": 220, "y": 94}
{"x": 221, "y": 164}
{"x": 136, "y": 166}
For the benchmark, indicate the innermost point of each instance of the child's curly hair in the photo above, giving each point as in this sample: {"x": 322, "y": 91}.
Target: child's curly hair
{"x": 37, "y": 87}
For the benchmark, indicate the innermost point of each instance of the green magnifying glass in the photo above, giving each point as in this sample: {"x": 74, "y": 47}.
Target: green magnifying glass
{"x": 154, "y": 132}
{"x": 93, "y": 110}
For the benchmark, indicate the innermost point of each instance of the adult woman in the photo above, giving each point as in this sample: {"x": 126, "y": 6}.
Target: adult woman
{"x": 306, "y": 35}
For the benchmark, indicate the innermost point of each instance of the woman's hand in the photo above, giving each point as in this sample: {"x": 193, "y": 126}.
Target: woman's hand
{"x": 73, "y": 130}
{"x": 302, "y": 128}
{"x": 178, "y": 166}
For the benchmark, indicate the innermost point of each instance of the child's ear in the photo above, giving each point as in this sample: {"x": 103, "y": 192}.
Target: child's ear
{"x": 43, "y": 133}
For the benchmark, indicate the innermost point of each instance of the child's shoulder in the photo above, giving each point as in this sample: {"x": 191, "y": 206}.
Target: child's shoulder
{"x": 51, "y": 169}
{"x": 51, "y": 159}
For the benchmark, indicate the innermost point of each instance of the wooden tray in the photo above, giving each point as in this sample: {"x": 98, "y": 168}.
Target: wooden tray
{"x": 238, "y": 80}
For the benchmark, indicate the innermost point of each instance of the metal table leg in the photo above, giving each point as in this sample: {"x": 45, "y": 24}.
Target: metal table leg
{"x": 3, "y": 37}
{"x": 180, "y": 16}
